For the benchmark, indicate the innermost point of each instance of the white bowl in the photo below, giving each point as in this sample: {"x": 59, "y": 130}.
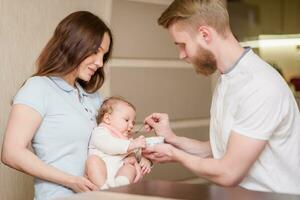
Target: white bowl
{"x": 151, "y": 141}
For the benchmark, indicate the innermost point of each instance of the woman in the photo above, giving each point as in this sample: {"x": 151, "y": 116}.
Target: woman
{"x": 55, "y": 109}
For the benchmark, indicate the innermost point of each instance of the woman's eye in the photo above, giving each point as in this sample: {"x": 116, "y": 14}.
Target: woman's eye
{"x": 96, "y": 51}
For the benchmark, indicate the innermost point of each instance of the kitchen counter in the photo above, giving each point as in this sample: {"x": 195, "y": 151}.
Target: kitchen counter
{"x": 167, "y": 190}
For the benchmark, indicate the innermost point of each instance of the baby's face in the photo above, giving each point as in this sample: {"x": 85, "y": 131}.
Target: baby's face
{"x": 123, "y": 118}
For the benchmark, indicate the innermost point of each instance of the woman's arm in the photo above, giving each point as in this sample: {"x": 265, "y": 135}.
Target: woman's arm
{"x": 22, "y": 125}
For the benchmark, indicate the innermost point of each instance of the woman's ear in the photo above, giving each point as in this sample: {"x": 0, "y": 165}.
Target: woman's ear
{"x": 106, "y": 118}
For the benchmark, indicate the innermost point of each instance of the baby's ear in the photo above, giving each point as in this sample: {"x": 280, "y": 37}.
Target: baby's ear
{"x": 106, "y": 118}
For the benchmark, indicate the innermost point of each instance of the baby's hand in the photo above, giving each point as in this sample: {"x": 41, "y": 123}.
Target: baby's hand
{"x": 145, "y": 166}
{"x": 140, "y": 142}
{"x": 136, "y": 143}
{"x": 130, "y": 160}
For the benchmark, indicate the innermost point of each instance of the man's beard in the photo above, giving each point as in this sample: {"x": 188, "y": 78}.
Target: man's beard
{"x": 204, "y": 62}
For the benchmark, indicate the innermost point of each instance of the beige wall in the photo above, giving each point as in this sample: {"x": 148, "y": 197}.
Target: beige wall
{"x": 176, "y": 91}
{"x": 137, "y": 34}
{"x": 25, "y": 27}
{"x": 146, "y": 70}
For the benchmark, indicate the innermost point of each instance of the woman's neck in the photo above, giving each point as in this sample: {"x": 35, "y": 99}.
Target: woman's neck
{"x": 70, "y": 78}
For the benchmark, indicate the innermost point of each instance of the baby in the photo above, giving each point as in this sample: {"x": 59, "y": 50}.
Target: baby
{"x": 111, "y": 161}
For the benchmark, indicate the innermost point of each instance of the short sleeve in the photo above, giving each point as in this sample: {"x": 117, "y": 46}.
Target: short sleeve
{"x": 33, "y": 94}
{"x": 259, "y": 113}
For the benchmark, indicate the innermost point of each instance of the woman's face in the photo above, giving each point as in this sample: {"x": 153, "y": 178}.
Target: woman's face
{"x": 91, "y": 64}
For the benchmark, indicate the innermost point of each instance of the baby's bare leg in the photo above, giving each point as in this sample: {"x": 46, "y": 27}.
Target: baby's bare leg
{"x": 95, "y": 170}
{"x": 127, "y": 170}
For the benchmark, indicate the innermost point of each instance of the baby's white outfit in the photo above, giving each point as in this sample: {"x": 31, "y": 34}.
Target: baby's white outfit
{"x": 111, "y": 146}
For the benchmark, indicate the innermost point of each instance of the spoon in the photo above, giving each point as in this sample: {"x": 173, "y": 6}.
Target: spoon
{"x": 139, "y": 129}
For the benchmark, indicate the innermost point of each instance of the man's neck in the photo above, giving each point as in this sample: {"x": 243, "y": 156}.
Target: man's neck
{"x": 228, "y": 54}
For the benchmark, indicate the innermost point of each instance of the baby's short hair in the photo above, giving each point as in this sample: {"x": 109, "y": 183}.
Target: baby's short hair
{"x": 108, "y": 106}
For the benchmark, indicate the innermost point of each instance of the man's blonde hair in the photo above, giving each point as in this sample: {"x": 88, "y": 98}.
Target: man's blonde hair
{"x": 195, "y": 13}
{"x": 108, "y": 106}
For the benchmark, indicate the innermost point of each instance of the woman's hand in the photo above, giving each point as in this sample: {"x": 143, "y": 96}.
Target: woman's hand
{"x": 160, "y": 123}
{"x": 145, "y": 166}
{"x": 81, "y": 184}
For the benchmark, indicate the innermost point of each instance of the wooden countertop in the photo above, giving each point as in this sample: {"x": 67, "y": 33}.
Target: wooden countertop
{"x": 157, "y": 189}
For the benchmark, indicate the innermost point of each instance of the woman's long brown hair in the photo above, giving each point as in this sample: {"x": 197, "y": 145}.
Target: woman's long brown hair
{"x": 76, "y": 37}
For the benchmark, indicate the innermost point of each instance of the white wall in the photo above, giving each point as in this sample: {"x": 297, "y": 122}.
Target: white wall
{"x": 25, "y": 27}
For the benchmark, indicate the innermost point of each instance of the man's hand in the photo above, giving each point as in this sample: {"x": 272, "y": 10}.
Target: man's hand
{"x": 160, "y": 123}
{"x": 160, "y": 153}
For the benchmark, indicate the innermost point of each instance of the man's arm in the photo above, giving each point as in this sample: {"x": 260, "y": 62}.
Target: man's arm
{"x": 191, "y": 146}
{"x": 230, "y": 170}
{"x": 160, "y": 123}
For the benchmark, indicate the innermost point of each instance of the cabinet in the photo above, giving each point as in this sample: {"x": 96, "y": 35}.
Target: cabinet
{"x": 250, "y": 18}
{"x": 291, "y": 16}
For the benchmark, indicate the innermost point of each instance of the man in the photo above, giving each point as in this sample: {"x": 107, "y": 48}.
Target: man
{"x": 255, "y": 122}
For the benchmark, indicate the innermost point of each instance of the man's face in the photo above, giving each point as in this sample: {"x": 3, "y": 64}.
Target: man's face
{"x": 204, "y": 61}
{"x": 192, "y": 51}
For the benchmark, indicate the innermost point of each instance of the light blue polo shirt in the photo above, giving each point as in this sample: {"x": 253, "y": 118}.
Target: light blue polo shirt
{"x": 63, "y": 136}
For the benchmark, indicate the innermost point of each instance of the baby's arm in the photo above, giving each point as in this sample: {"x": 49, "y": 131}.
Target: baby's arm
{"x": 136, "y": 143}
{"x": 105, "y": 142}
{"x": 130, "y": 159}
{"x": 146, "y": 165}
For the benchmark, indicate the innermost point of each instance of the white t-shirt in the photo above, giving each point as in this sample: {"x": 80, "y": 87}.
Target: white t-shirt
{"x": 254, "y": 100}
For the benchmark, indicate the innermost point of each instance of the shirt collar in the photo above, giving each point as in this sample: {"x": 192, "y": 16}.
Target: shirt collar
{"x": 233, "y": 68}
{"x": 65, "y": 86}
{"x": 81, "y": 90}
